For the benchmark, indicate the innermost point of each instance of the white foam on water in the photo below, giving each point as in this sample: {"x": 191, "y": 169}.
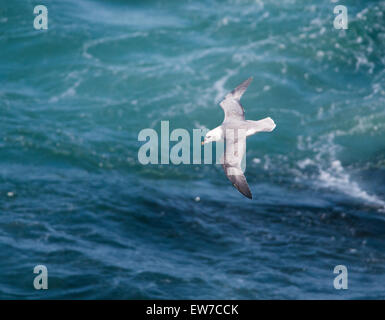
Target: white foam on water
{"x": 76, "y": 77}
{"x": 331, "y": 173}
{"x": 70, "y": 92}
{"x": 219, "y": 86}
{"x": 105, "y": 40}
{"x": 337, "y": 178}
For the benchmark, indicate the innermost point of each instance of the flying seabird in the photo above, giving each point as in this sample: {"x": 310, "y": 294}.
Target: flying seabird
{"x": 234, "y": 130}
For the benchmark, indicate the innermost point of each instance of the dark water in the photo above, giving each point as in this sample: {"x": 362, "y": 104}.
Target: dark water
{"x": 74, "y": 197}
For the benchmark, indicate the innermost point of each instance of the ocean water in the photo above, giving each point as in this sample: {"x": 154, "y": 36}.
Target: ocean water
{"x": 75, "y": 198}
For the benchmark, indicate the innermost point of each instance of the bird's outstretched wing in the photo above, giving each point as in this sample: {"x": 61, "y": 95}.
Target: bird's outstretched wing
{"x": 232, "y": 159}
{"x": 231, "y": 103}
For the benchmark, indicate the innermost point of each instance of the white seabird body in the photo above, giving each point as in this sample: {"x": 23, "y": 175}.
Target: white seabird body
{"x": 234, "y": 130}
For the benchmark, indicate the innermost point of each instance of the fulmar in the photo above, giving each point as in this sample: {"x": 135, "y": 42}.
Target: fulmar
{"x": 234, "y": 130}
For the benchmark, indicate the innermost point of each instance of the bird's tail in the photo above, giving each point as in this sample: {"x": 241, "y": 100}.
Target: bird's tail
{"x": 264, "y": 125}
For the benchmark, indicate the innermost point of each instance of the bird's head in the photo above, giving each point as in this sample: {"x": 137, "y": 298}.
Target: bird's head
{"x": 213, "y": 135}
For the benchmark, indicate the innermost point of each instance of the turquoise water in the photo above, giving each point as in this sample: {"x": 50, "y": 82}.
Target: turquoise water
{"x": 74, "y": 197}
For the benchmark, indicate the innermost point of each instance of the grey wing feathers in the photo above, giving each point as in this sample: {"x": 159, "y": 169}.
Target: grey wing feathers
{"x": 240, "y": 90}
{"x": 231, "y": 104}
{"x": 239, "y": 182}
{"x": 232, "y": 159}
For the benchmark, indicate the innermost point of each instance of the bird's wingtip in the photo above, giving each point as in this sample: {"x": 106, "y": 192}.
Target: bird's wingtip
{"x": 249, "y": 79}
{"x": 245, "y": 191}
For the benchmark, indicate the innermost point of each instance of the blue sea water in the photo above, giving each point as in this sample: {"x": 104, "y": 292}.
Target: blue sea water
{"x": 75, "y": 198}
